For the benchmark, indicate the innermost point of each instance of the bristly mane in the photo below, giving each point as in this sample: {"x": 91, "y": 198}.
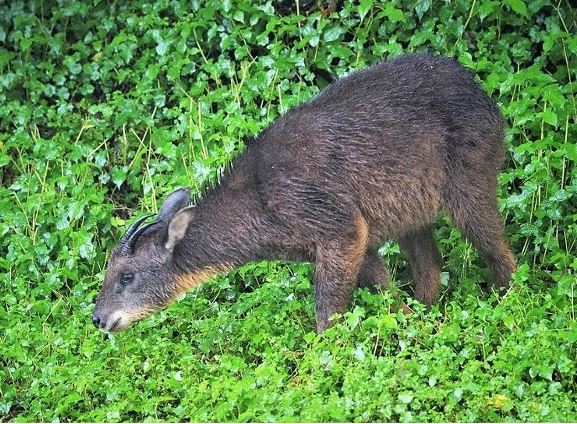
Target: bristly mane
{"x": 210, "y": 183}
{"x": 215, "y": 177}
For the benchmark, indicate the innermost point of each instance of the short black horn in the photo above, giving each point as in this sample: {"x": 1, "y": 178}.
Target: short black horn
{"x": 131, "y": 230}
{"x": 131, "y": 243}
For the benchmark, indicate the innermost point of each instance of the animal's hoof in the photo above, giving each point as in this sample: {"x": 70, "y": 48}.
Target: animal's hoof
{"x": 406, "y": 309}
{"x": 403, "y": 307}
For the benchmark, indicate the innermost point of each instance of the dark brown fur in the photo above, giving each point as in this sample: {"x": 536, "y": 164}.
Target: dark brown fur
{"x": 376, "y": 156}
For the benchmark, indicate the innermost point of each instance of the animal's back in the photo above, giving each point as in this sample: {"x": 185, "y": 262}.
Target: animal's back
{"x": 387, "y": 140}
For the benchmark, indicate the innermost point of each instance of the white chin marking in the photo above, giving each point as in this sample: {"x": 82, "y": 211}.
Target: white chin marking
{"x": 118, "y": 321}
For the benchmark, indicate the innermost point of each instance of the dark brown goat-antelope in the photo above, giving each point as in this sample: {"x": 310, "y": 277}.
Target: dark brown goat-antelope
{"x": 374, "y": 157}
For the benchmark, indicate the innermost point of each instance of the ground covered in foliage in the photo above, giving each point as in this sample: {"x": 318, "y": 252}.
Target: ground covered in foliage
{"x": 105, "y": 107}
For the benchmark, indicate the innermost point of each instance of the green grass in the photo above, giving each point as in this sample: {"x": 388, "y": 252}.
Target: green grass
{"x": 105, "y": 107}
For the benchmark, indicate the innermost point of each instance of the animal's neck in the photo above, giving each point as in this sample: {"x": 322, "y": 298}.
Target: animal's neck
{"x": 226, "y": 232}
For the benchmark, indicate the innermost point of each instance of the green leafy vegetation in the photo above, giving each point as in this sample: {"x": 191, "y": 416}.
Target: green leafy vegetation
{"x": 105, "y": 107}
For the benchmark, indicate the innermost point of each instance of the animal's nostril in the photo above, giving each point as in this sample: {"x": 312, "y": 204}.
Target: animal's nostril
{"x": 96, "y": 320}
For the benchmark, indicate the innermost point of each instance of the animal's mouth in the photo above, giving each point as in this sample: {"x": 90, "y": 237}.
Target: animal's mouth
{"x": 118, "y": 321}
{"x": 115, "y": 324}
{"x": 121, "y": 320}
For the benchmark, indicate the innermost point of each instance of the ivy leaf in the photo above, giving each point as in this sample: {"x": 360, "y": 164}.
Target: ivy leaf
{"x": 406, "y": 397}
{"x": 364, "y": 7}
{"x": 394, "y": 14}
{"x": 421, "y": 7}
{"x": 332, "y": 33}
{"x": 550, "y": 117}
{"x": 518, "y": 6}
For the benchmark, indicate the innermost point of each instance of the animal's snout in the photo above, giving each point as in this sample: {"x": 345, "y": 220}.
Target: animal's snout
{"x": 96, "y": 320}
{"x": 111, "y": 322}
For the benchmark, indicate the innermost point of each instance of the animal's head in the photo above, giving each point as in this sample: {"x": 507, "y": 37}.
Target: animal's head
{"x": 141, "y": 276}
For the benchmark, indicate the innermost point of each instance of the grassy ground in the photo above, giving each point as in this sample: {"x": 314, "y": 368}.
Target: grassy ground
{"x": 105, "y": 107}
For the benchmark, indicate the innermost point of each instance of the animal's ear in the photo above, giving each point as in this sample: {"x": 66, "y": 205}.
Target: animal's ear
{"x": 177, "y": 227}
{"x": 174, "y": 202}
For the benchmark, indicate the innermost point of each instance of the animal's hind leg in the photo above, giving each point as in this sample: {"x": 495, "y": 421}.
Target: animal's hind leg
{"x": 475, "y": 213}
{"x": 373, "y": 273}
{"x": 426, "y": 263}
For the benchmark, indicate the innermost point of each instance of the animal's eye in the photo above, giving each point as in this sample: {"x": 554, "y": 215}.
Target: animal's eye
{"x": 126, "y": 278}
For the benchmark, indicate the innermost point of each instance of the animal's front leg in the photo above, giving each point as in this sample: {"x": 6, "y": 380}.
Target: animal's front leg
{"x": 333, "y": 289}
{"x": 337, "y": 268}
